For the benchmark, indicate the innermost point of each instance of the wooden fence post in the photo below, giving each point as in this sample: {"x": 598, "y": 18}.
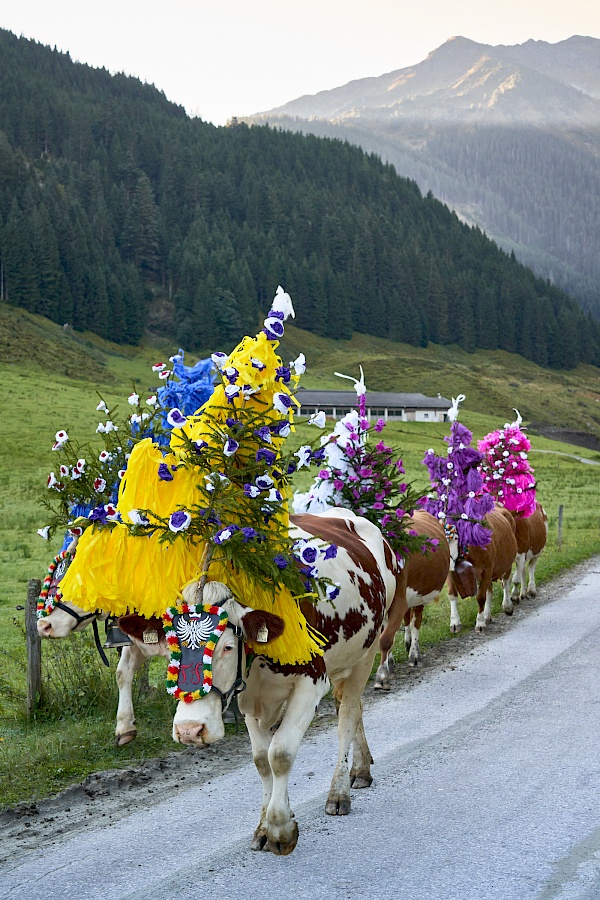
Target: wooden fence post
{"x": 34, "y": 646}
{"x": 560, "y": 521}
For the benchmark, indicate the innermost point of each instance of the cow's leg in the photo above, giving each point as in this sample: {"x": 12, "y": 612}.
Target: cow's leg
{"x": 349, "y": 692}
{"x": 531, "y": 585}
{"x": 360, "y": 773}
{"x": 455, "y": 623}
{"x": 278, "y": 826}
{"x": 415, "y": 651}
{"x": 518, "y": 578}
{"x": 484, "y": 616}
{"x": 131, "y": 660}
{"x": 261, "y": 738}
{"x": 507, "y": 604}
{"x": 384, "y": 671}
{"x": 407, "y": 632}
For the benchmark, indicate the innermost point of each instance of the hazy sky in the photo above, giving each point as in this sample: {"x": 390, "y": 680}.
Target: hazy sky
{"x": 221, "y": 58}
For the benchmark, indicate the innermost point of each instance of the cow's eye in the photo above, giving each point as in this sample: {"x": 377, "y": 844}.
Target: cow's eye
{"x": 228, "y": 648}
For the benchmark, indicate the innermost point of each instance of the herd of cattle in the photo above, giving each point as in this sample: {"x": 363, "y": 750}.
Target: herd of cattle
{"x": 376, "y": 597}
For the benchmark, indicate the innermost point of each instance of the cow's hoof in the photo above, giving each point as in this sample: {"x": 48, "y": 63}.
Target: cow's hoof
{"x": 509, "y": 612}
{"x": 337, "y": 806}
{"x": 283, "y": 847}
{"x": 361, "y": 780}
{"x": 480, "y": 629}
{"x": 126, "y": 738}
{"x": 381, "y": 686}
{"x": 259, "y": 839}
{"x": 454, "y": 629}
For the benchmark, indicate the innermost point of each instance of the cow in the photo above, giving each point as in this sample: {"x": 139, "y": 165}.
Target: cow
{"x": 421, "y": 579}
{"x": 68, "y": 618}
{"x": 489, "y": 564}
{"x": 531, "y": 534}
{"x": 279, "y": 701}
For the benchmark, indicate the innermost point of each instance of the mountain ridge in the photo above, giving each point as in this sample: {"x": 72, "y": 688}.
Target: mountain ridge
{"x": 507, "y": 136}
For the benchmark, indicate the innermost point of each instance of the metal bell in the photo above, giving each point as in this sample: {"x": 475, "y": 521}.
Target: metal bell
{"x": 115, "y": 638}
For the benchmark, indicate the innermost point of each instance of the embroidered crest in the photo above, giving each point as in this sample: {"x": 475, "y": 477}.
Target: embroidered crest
{"x": 192, "y": 632}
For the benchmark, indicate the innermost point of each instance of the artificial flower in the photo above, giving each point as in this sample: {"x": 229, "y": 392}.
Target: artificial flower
{"x": 179, "y": 521}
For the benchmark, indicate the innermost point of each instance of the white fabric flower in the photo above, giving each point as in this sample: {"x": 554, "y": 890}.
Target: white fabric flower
{"x": 319, "y": 419}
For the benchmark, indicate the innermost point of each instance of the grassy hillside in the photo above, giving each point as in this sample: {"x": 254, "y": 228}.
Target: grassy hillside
{"x": 51, "y": 378}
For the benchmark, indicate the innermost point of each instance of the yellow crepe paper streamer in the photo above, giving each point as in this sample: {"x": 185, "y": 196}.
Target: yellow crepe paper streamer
{"x": 118, "y": 572}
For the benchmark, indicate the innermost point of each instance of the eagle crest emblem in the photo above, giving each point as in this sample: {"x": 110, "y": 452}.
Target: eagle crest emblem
{"x": 194, "y": 632}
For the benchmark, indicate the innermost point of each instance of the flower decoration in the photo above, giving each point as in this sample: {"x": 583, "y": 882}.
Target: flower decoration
{"x": 506, "y": 470}
{"x": 458, "y": 499}
{"x": 224, "y": 514}
{"x": 179, "y": 521}
{"x": 361, "y": 476}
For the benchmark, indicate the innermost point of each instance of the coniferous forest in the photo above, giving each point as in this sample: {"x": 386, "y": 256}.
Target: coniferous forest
{"x": 119, "y": 213}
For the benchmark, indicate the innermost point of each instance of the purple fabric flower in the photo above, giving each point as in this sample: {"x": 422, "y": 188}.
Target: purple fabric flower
{"x": 283, "y": 374}
{"x": 330, "y": 552}
{"x": 180, "y": 520}
{"x": 308, "y": 554}
{"x": 249, "y": 534}
{"x": 251, "y": 490}
{"x": 379, "y": 425}
{"x": 273, "y": 327}
{"x": 281, "y": 562}
{"x": 264, "y": 483}
{"x": 282, "y": 402}
{"x": 175, "y": 418}
{"x": 164, "y": 472}
{"x": 267, "y": 455}
{"x": 264, "y": 433}
{"x": 230, "y": 447}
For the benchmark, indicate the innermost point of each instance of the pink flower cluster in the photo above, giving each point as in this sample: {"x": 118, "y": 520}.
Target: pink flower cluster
{"x": 506, "y": 471}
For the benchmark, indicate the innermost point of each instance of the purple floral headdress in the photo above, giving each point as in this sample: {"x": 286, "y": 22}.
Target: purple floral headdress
{"x": 458, "y": 498}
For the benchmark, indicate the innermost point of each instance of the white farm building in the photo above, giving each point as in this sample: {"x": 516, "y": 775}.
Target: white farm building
{"x": 380, "y": 405}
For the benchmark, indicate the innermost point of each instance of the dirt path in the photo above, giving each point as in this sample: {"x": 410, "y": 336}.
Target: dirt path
{"x": 107, "y": 797}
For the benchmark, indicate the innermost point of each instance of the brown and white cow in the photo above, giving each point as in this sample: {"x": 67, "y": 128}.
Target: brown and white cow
{"x": 62, "y": 622}
{"x": 420, "y": 583}
{"x": 531, "y": 534}
{"x": 491, "y": 563}
{"x": 280, "y": 700}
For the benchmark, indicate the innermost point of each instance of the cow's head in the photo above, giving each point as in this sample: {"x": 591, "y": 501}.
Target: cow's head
{"x": 201, "y": 722}
{"x": 66, "y": 618}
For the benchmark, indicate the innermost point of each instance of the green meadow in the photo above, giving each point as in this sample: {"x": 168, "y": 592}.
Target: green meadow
{"x": 52, "y": 379}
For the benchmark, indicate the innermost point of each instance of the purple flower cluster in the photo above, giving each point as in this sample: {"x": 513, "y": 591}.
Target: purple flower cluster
{"x": 460, "y": 499}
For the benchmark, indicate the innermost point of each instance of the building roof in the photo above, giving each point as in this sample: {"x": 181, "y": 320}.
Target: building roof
{"x": 380, "y": 399}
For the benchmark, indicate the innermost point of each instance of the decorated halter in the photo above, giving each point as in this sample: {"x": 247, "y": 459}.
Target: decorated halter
{"x": 192, "y": 632}
{"x": 51, "y": 598}
{"x": 47, "y": 600}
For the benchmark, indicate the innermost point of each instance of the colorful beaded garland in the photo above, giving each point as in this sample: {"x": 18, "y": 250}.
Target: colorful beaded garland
{"x": 45, "y": 603}
{"x": 175, "y": 648}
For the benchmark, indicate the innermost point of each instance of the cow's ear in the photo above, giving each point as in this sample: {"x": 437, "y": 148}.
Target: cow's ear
{"x": 262, "y": 627}
{"x": 136, "y": 626}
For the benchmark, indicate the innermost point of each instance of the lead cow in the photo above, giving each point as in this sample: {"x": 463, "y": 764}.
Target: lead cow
{"x": 280, "y": 700}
